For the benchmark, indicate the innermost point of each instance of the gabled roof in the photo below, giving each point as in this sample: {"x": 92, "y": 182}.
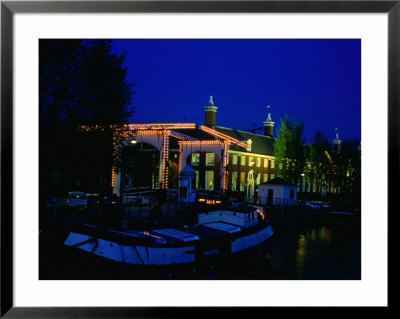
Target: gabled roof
{"x": 260, "y": 144}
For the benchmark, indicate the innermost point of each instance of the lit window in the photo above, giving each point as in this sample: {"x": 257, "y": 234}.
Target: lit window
{"x": 250, "y": 177}
{"x": 210, "y": 180}
{"x": 197, "y": 180}
{"x": 242, "y": 181}
{"x": 265, "y": 178}
{"x": 272, "y": 164}
{"x": 258, "y": 180}
{"x": 243, "y": 160}
{"x": 251, "y": 161}
{"x": 210, "y": 159}
{"x": 234, "y": 181}
{"x": 272, "y": 176}
{"x": 196, "y": 159}
{"x": 258, "y": 162}
{"x": 265, "y": 162}
{"x": 234, "y": 159}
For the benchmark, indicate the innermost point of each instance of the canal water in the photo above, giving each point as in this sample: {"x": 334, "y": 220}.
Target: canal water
{"x": 323, "y": 248}
{"x": 320, "y": 247}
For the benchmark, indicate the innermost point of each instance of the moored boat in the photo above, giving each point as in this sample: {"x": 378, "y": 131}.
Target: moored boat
{"x": 217, "y": 234}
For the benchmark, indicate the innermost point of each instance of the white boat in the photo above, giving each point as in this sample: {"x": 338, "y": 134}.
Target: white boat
{"x": 217, "y": 233}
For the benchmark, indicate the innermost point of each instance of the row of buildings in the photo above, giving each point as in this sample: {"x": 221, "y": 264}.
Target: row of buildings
{"x": 224, "y": 159}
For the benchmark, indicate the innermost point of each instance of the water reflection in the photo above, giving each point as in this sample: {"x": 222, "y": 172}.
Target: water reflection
{"x": 301, "y": 252}
{"x": 323, "y": 252}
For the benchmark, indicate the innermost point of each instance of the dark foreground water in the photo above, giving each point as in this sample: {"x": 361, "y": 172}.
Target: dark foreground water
{"x": 325, "y": 247}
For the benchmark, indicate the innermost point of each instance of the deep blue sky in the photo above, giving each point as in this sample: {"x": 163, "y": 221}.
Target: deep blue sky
{"x": 314, "y": 81}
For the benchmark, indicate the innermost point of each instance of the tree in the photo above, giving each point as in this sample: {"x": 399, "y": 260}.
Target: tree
{"x": 289, "y": 150}
{"x": 348, "y": 177}
{"x": 82, "y": 83}
{"x": 319, "y": 161}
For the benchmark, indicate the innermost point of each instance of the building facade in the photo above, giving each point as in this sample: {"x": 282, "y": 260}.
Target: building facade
{"x": 226, "y": 160}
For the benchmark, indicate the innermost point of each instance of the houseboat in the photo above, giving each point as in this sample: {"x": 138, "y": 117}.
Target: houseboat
{"x": 216, "y": 234}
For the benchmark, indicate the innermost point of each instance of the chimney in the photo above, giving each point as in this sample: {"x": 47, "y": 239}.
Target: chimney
{"x": 336, "y": 142}
{"x": 268, "y": 125}
{"x": 211, "y": 112}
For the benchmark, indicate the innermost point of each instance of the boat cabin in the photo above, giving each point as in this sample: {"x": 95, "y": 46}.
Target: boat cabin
{"x": 233, "y": 215}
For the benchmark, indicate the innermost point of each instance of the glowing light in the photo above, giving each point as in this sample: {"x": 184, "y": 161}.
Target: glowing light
{"x": 261, "y": 214}
{"x": 164, "y": 183}
{"x": 180, "y": 158}
{"x": 162, "y": 126}
{"x": 148, "y": 132}
{"x": 209, "y": 201}
{"x": 112, "y": 176}
{"x": 207, "y": 142}
{"x": 225, "y": 176}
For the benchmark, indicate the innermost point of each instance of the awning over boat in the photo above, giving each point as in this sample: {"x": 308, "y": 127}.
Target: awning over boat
{"x": 224, "y": 227}
{"x": 176, "y": 234}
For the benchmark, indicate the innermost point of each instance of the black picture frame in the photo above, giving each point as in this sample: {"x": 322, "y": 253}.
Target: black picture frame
{"x": 9, "y": 8}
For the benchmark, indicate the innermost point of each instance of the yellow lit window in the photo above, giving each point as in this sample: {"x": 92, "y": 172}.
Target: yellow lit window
{"x": 234, "y": 181}
{"x": 196, "y": 159}
{"x": 234, "y": 159}
{"x": 197, "y": 180}
{"x": 251, "y": 161}
{"x": 210, "y": 159}
{"x": 210, "y": 180}
{"x": 242, "y": 181}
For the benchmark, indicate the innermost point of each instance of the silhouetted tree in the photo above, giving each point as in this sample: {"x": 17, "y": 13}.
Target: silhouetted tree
{"x": 82, "y": 83}
{"x": 319, "y": 166}
{"x": 348, "y": 177}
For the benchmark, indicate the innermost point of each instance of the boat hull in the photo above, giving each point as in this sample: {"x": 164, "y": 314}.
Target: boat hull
{"x": 194, "y": 252}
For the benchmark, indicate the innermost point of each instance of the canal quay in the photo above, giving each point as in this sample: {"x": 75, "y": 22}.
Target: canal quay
{"x": 308, "y": 243}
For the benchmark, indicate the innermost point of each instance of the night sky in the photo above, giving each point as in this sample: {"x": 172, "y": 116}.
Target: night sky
{"x": 317, "y": 82}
